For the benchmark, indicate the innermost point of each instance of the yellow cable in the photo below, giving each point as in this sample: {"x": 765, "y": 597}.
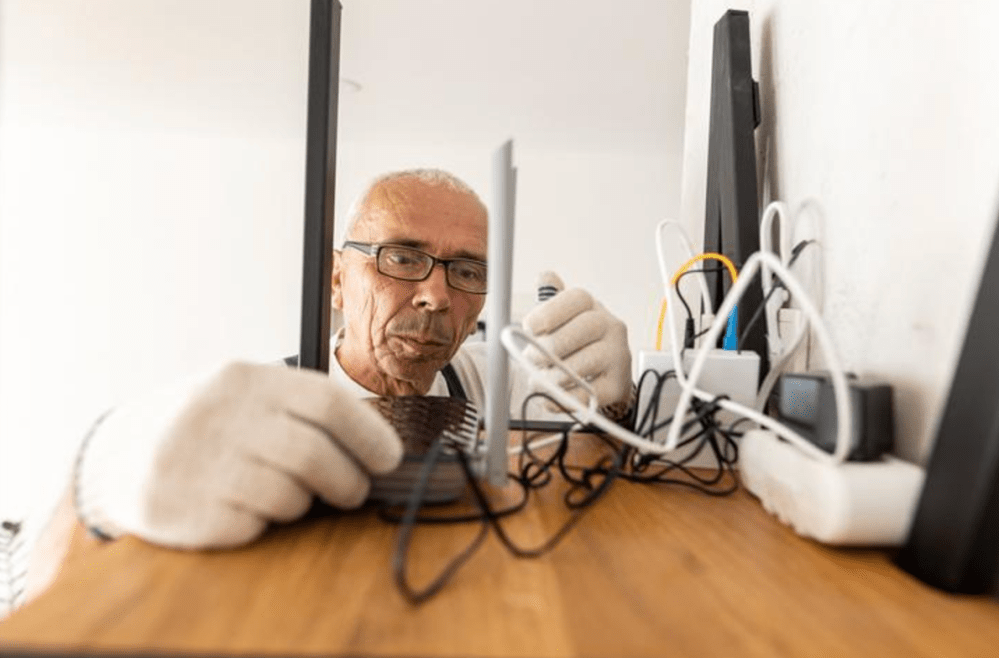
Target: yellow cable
{"x": 723, "y": 259}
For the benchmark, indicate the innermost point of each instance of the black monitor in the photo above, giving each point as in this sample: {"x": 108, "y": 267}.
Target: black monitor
{"x": 320, "y": 183}
{"x": 732, "y": 218}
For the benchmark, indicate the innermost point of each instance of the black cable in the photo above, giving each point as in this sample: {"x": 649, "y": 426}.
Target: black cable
{"x": 689, "y": 334}
{"x": 679, "y": 292}
{"x": 387, "y": 513}
{"x": 489, "y": 517}
{"x": 652, "y": 409}
{"x": 413, "y": 506}
{"x": 595, "y": 492}
{"x": 587, "y": 483}
{"x": 710, "y": 436}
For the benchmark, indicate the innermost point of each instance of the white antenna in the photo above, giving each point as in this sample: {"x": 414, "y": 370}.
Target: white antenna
{"x": 504, "y": 195}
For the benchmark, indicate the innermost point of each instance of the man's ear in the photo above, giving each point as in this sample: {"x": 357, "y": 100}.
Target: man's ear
{"x": 336, "y": 286}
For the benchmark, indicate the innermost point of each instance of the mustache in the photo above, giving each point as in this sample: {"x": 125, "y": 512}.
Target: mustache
{"x": 424, "y": 327}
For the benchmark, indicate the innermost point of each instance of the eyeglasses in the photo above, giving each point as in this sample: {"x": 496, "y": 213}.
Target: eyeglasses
{"x": 410, "y": 264}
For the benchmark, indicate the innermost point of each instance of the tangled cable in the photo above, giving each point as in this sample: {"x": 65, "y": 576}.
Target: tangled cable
{"x": 587, "y": 483}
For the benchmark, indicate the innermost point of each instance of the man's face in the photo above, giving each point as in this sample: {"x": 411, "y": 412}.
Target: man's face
{"x": 398, "y": 334}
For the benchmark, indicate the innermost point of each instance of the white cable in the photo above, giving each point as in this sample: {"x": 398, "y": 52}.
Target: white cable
{"x": 843, "y": 407}
{"x": 777, "y": 210}
{"x": 782, "y": 349}
{"x": 672, "y": 440}
{"x": 516, "y": 340}
{"x": 678, "y": 366}
{"x": 674, "y": 343}
{"x": 539, "y": 443}
{"x": 685, "y": 241}
{"x": 777, "y": 368}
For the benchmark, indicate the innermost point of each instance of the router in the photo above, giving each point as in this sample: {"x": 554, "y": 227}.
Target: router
{"x": 726, "y": 372}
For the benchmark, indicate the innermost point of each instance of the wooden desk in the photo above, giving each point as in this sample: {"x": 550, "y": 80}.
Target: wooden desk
{"x": 650, "y": 571}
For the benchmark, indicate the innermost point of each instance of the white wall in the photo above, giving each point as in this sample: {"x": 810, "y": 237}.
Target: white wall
{"x": 151, "y": 194}
{"x": 882, "y": 115}
{"x": 151, "y": 162}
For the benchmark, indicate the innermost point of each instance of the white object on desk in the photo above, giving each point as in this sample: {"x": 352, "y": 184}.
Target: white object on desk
{"x": 849, "y": 504}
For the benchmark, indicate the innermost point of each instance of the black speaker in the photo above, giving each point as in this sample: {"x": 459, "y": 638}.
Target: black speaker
{"x": 954, "y": 541}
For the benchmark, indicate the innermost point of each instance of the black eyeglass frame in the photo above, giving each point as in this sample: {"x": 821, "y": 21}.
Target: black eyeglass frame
{"x": 374, "y": 249}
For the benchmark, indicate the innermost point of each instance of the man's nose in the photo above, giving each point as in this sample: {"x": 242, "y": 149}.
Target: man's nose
{"x": 434, "y": 293}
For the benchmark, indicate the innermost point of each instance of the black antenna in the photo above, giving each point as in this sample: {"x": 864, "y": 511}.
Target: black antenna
{"x": 320, "y": 183}
{"x": 732, "y": 217}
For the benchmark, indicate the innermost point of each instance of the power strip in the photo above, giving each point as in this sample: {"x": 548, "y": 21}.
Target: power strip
{"x": 850, "y": 504}
{"x": 726, "y": 372}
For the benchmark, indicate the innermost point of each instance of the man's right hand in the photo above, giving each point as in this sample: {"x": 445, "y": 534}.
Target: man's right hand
{"x": 210, "y": 465}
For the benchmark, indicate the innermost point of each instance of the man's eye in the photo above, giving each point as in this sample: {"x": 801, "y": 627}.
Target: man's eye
{"x": 469, "y": 272}
{"x": 403, "y": 258}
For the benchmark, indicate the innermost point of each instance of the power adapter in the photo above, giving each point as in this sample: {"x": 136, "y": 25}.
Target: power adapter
{"x": 730, "y": 373}
{"x": 806, "y": 403}
{"x": 868, "y": 503}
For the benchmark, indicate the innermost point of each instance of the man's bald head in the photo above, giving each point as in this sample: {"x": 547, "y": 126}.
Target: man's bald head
{"x": 379, "y": 191}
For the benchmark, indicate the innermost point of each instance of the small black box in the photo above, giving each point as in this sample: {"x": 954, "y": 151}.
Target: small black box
{"x": 806, "y": 402}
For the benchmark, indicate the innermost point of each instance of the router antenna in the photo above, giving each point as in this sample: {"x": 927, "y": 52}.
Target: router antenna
{"x": 504, "y": 190}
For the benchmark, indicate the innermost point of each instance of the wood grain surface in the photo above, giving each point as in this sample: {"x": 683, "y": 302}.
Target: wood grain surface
{"x": 649, "y": 571}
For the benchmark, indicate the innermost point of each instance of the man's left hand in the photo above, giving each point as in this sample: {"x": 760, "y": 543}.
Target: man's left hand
{"x": 591, "y": 341}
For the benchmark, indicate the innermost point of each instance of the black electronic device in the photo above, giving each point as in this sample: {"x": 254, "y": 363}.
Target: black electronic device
{"x": 806, "y": 402}
{"x": 320, "y": 183}
{"x": 732, "y": 218}
{"x": 954, "y": 540}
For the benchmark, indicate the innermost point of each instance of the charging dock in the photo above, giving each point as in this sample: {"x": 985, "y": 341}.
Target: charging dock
{"x": 854, "y": 503}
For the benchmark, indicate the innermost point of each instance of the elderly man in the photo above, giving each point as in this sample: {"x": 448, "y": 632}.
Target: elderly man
{"x": 210, "y": 462}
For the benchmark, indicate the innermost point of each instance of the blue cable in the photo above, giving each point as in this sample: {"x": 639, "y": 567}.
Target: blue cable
{"x": 731, "y": 340}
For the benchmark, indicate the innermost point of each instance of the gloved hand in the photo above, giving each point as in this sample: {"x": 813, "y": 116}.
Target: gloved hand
{"x": 592, "y": 342}
{"x": 210, "y": 464}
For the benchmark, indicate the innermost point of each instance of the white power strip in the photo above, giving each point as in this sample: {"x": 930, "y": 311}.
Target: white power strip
{"x": 853, "y": 503}
{"x": 734, "y": 374}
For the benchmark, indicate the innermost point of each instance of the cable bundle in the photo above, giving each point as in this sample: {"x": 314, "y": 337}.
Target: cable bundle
{"x": 587, "y": 483}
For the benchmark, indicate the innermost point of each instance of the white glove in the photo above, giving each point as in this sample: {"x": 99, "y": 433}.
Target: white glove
{"x": 593, "y": 343}
{"x": 210, "y": 465}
